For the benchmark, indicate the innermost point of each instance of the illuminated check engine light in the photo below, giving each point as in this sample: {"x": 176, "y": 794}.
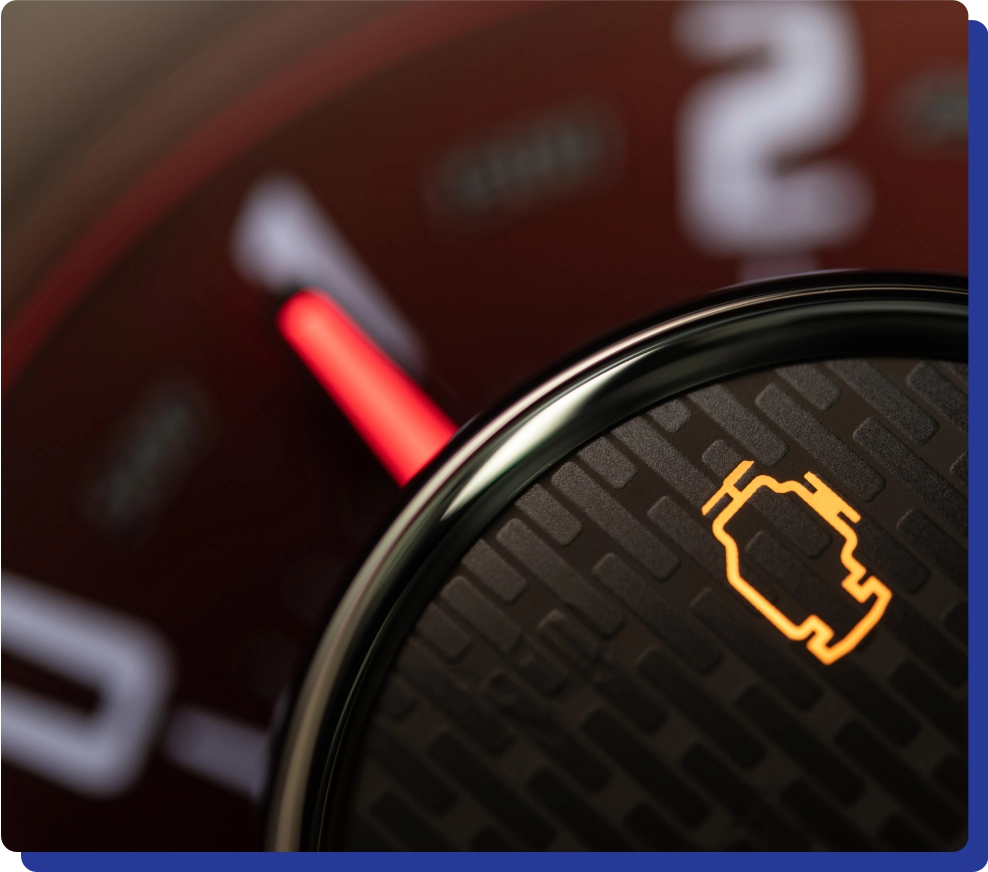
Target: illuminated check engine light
{"x": 395, "y": 417}
{"x": 832, "y": 509}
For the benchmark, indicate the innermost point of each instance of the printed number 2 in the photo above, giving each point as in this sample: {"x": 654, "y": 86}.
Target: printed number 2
{"x": 130, "y": 666}
{"x": 738, "y": 128}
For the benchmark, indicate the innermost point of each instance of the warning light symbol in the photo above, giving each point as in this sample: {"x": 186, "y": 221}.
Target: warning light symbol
{"x": 840, "y": 516}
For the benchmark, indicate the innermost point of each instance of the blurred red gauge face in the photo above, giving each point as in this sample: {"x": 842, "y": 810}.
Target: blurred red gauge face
{"x": 480, "y": 188}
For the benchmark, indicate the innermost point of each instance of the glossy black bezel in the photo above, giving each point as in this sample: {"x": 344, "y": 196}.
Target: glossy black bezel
{"x": 495, "y": 456}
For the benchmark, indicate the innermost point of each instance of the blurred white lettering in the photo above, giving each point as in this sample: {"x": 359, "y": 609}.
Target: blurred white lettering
{"x": 226, "y": 751}
{"x": 128, "y": 663}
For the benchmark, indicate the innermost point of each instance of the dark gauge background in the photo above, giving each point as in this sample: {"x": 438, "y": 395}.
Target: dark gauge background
{"x": 585, "y": 677}
{"x": 516, "y": 187}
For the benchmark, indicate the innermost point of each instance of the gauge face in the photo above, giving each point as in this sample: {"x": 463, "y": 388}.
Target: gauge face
{"x": 594, "y": 674}
{"x": 479, "y": 193}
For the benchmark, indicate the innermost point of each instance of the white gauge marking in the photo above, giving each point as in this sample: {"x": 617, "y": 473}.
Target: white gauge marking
{"x": 284, "y": 240}
{"x": 128, "y": 664}
{"x": 523, "y": 166}
{"x": 149, "y": 455}
{"x": 739, "y": 127}
{"x": 220, "y": 749}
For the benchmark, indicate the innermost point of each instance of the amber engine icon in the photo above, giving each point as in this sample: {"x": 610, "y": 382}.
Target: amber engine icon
{"x": 835, "y": 512}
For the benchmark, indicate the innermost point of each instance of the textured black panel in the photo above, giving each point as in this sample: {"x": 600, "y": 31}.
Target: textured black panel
{"x": 820, "y": 442}
{"x": 661, "y": 618}
{"x": 615, "y": 520}
{"x": 956, "y": 622}
{"x": 447, "y": 638}
{"x": 870, "y": 698}
{"x": 609, "y": 463}
{"x": 958, "y": 369}
{"x": 810, "y": 381}
{"x": 570, "y": 637}
{"x": 405, "y": 823}
{"x": 494, "y": 571}
{"x": 798, "y": 743}
{"x": 951, "y": 774}
{"x": 453, "y": 699}
{"x": 363, "y": 837}
{"x": 915, "y": 472}
{"x": 748, "y": 808}
{"x": 542, "y": 725}
{"x": 883, "y": 395}
{"x": 490, "y": 840}
{"x": 900, "y": 835}
{"x": 821, "y": 819}
{"x": 653, "y": 831}
{"x": 708, "y": 715}
{"x": 946, "y": 714}
{"x": 560, "y": 577}
{"x": 928, "y": 644}
{"x": 516, "y": 814}
{"x": 427, "y": 790}
{"x": 615, "y": 683}
{"x": 627, "y": 694}
{"x": 884, "y": 554}
{"x": 669, "y": 463}
{"x": 890, "y": 771}
{"x": 482, "y": 615}
{"x": 576, "y": 815}
{"x": 539, "y": 505}
{"x": 692, "y": 537}
{"x": 935, "y": 544}
{"x": 734, "y": 417}
{"x": 671, "y": 416}
{"x": 615, "y": 692}
{"x": 393, "y": 702}
{"x": 940, "y": 393}
{"x": 665, "y": 786}
{"x": 753, "y": 645}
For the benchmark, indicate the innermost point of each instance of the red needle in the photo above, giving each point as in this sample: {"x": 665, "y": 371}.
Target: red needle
{"x": 396, "y": 418}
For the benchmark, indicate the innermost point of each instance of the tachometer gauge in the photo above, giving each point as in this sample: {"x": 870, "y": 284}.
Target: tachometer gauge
{"x": 256, "y": 280}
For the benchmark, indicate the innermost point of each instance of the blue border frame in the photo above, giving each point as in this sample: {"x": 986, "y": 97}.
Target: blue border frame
{"x": 972, "y": 857}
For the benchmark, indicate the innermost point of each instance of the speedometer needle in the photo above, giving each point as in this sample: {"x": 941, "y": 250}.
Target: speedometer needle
{"x": 395, "y": 417}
